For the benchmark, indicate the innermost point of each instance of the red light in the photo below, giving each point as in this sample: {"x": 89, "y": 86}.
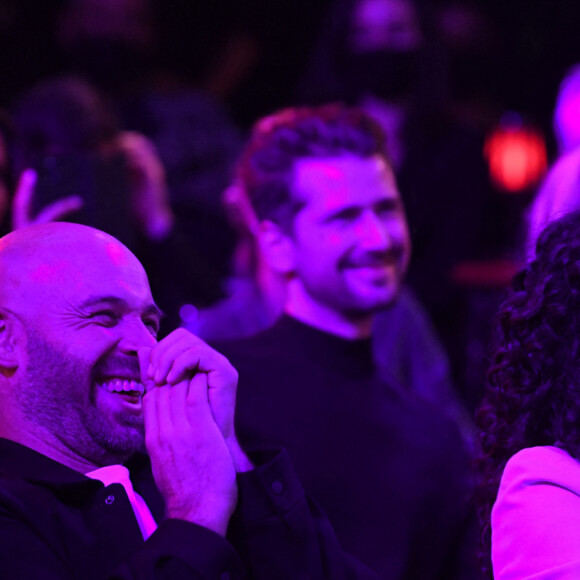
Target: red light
{"x": 516, "y": 156}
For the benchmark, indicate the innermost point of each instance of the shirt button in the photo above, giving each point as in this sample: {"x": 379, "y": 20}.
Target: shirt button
{"x": 109, "y": 499}
{"x": 277, "y": 487}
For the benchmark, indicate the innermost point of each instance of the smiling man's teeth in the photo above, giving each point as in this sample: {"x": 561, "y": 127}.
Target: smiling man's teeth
{"x": 123, "y": 386}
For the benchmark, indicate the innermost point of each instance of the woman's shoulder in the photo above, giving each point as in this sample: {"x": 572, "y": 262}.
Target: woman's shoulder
{"x": 544, "y": 464}
{"x": 534, "y": 519}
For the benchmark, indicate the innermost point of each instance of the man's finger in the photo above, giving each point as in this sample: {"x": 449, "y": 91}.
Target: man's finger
{"x": 165, "y": 361}
{"x": 179, "y": 335}
{"x": 150, "y": 419}
{"x": 22, "y": 202}
{"x": 144, "y": 356}
{"x": 59, "y": 209}
{"x": 197, "y": 403}
{"x": 203, "y": 360}
{"x": 174, "y": 400}
{"x": 164, "y": 416}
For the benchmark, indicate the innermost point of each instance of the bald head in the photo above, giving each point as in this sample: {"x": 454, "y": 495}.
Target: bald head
{"x": 39, "y": 262}
{"x": 43, "y": 240}
{"x": 75, "y": 311}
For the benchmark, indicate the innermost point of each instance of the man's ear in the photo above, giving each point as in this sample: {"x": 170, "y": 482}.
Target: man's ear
{"x": 276, "y": 247}
{"x": 10, "y": 339}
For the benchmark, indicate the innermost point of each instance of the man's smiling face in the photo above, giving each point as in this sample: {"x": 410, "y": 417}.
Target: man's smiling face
{"x": 350, "y": 241}
{"x": 87, "y": 309}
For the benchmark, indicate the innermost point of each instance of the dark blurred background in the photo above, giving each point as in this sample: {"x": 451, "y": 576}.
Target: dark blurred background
{"x": 270, "y": 43}
{"x": 193, "y": 75}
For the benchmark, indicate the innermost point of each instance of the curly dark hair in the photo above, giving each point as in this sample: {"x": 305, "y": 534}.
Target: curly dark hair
{"x": 266, "y": 165}
{"x": 533, "y": 391}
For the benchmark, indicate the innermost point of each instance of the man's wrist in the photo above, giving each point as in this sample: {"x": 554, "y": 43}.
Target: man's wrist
{"x": 213, "y": 514}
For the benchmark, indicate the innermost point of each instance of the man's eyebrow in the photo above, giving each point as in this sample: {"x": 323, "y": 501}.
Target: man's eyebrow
{"x": 347, "y": 210}
{"x": 153, "y": 309}
{"x": 389, "y": 203}
{"x": 115, "y": 300}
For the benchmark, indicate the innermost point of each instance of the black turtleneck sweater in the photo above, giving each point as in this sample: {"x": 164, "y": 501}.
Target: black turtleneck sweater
{"x": 390, "y": 473}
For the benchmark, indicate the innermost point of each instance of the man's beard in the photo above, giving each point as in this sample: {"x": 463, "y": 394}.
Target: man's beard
{"x": 59, "y": 394}
{"x": 355, "y": 306}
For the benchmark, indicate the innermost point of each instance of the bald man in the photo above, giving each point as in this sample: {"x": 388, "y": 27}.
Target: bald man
{"x": 84, "y": 385}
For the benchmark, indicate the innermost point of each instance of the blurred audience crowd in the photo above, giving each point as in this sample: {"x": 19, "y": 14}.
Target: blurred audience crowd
{"x": 130, "y": 115}
{"x": 176, "y": 85}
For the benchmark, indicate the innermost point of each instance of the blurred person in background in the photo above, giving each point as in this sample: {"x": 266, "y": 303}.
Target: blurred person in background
{"x": 405, "y": 346}
{"x": 69, "y": 137}
{"x": 16, "y": 192}
{"x": 558, "y": 195}
{"x": 390, "y": 469}
{"x": 385, "y": 56}
{"x": 156, "y": 61}
{"x": 559, "y": 192}
{"x": 566, "y": 121}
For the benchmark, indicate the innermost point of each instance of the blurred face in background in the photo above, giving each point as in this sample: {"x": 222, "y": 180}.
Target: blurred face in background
{"x": 350, "y": 243}
{"x": 382, "y": 46}
{"x": 384, "y": 25}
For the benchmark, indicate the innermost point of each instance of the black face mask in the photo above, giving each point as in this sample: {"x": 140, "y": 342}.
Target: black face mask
{"x": 390, "y": 75}
{"x": 109, "y": 63}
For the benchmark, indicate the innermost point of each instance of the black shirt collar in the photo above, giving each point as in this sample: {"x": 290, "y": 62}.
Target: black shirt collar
{"x": 19, "y": 461}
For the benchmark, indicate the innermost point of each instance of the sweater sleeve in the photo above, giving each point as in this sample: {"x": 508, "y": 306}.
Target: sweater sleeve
{"x": 535, "y": 519}
{"x": 181, "y": 550}
{"x": 276, "y": 531}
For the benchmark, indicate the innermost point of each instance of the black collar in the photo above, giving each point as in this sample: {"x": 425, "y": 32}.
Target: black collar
{"x": 18, "y": 462}
{"x": 350, "y": 358}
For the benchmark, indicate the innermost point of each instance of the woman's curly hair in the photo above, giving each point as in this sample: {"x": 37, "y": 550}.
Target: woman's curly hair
{"x": 533, "y": 391}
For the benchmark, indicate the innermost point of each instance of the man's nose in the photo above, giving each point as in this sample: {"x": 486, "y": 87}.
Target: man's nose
{"x": 374, "y": 233}
{"x": 135, "y": 335}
